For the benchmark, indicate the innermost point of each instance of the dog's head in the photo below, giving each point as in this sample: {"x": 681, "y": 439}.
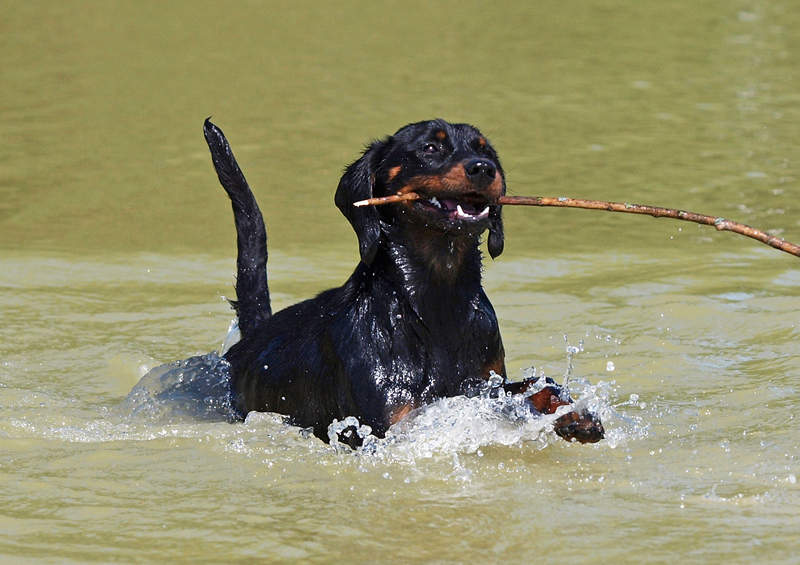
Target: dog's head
{"x": 454, "y": 169}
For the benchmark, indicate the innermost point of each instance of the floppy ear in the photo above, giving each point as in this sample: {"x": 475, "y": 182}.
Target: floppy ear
{"x": 496, "y": 236}
{"x": 356, "y": 184}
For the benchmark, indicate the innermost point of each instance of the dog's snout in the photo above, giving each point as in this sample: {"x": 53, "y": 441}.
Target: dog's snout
{"x": 480, "y": 171}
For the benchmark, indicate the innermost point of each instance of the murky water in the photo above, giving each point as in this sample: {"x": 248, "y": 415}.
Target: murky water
{"x": 117, "y": 248}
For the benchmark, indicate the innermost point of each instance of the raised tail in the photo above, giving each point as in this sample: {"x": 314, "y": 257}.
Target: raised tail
{"x": 252, "y": 293}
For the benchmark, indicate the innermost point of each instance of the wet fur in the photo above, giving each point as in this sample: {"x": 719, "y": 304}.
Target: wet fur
{"x": 411, "y": 324}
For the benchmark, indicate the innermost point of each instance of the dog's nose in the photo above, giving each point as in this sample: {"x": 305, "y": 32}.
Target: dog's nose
{"x": 480, "y": 171}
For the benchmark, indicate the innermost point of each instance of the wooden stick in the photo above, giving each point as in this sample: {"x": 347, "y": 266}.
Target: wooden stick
{"x": 721, "y": 224}
{"x": 387, "y": 199}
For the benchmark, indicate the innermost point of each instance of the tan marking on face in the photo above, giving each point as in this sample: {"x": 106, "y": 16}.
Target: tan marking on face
{"x": 482, "y": 141}
{"x": 495, "y": 189}
{"x": 410, "y": 187}
{"x": 441, "y": 135}
{"x": 394, "y": 171}
{"x": 456, "y": 177}
{"x": 453, "y": 182}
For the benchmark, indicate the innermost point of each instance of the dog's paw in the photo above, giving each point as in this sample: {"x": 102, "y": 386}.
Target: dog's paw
{"x": 583, "y": 427}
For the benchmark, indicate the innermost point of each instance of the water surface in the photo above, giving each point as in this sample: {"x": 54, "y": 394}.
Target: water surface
{"x": 117, "y": 250}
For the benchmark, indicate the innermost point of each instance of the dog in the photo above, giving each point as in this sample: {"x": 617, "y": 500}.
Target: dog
{"x": 412, "y": 324}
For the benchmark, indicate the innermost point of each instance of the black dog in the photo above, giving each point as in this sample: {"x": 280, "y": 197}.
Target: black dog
{"x": 412, "y": 323}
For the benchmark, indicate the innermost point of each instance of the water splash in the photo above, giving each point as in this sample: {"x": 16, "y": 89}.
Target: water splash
{"x": 195, "y": 389}
{"x": 572, "y": 351}
{"x": 191, "y": 399}
{"x": 232, "y": 336}
{"x": 463, "y": 425}
{"x": 340, "y": 433}
{"x": 199, "y": 389}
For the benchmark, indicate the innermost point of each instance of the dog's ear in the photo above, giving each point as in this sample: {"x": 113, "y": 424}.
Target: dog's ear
{"x": 356, "y": 184}
{"x": 496, "y": 236}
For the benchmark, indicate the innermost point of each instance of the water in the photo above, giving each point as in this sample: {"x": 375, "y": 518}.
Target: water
{"x": 117, "y": 250}
{"x": 193, "y": 389}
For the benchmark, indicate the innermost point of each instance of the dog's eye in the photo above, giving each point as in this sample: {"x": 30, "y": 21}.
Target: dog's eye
{"x": 430, "y": 148}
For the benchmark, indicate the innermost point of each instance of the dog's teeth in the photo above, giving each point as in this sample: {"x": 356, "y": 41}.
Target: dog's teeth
{"x": 460, "y": 213}
{"x": 435, "y": 202}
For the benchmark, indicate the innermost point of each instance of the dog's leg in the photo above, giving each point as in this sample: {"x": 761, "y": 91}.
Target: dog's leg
{"x": 252, "y": 293}
{"x": 583, "y": 427}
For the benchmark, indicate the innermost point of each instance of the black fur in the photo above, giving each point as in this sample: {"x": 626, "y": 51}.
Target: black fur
{"x": 412, "y": 323}
{"x": 251, "y": 269}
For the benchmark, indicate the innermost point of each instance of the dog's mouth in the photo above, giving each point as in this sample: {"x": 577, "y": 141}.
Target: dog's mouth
{"x": 469, "y": 207}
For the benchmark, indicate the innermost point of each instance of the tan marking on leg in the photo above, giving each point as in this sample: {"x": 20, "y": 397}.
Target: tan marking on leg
{"x": 498, "y": 365}
{"x": 400, "y": 413}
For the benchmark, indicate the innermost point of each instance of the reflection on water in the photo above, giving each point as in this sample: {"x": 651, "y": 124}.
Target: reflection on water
{"x": 118, "y": 248}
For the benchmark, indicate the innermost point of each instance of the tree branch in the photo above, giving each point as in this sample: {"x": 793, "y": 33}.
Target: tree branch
{"x": 721, "y": 224}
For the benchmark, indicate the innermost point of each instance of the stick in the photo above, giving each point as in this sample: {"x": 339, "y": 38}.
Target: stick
{"x": 721, "y": 224}
{"x": 387, "y": 199}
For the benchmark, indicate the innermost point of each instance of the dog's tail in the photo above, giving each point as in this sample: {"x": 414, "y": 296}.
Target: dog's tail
{"x": 252, "y": 293}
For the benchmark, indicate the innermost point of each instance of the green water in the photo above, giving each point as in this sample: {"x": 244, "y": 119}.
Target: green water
{"x": 117, "y": 245}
